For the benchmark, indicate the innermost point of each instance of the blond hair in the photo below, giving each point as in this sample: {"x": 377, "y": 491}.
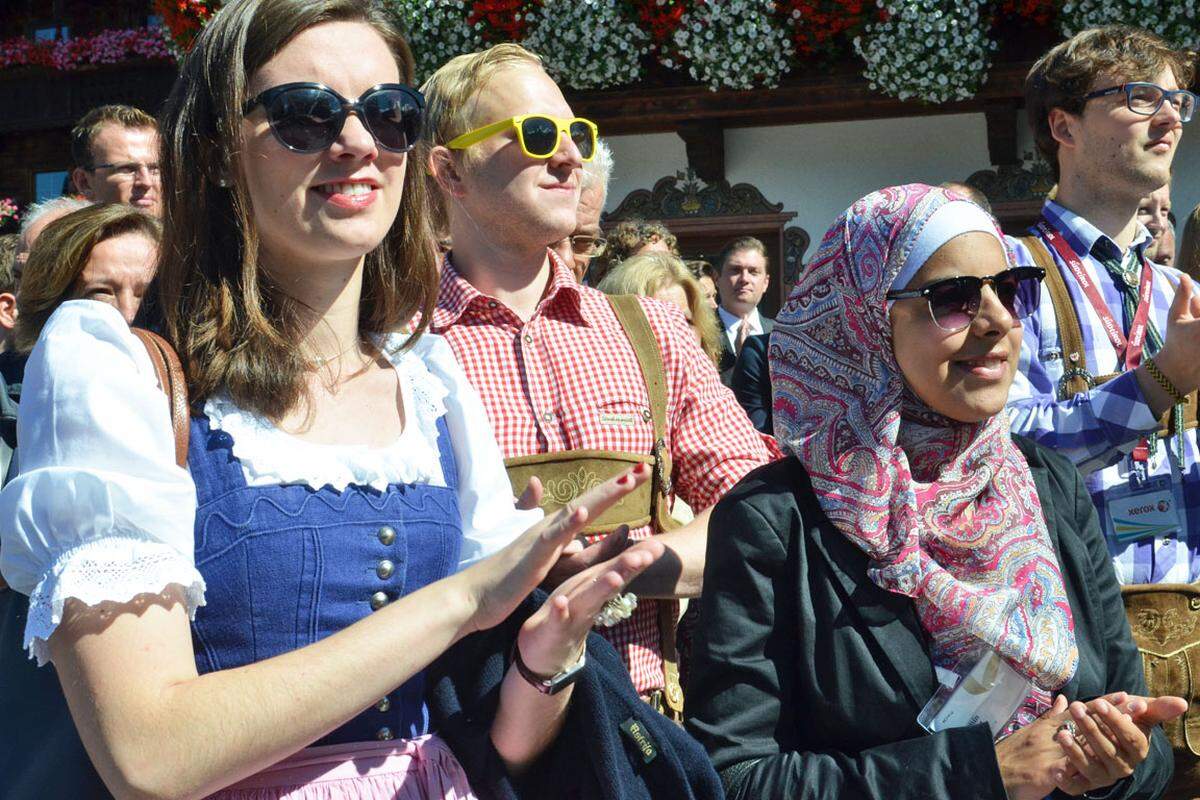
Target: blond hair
{"x": 646, "y": 274}
{"x": 59, "y": 257}
{"x": 450, "y": 95}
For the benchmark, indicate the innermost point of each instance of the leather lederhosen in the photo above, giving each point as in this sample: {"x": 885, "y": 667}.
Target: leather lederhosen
{"x": 568, "y": 474}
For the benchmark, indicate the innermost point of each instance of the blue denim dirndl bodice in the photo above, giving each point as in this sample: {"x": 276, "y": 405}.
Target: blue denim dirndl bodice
{"x": 288, "y": 565}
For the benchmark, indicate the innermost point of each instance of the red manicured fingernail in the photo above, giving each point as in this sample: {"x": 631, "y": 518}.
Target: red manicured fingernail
{"x": 623, "y": 480}
{"x": 639, "y": 469}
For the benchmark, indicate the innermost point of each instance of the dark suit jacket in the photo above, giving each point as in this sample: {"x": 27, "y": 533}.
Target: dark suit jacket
{"x": 729, "y": 358}
{"x": 807, "y": 678}
{"x": 751, "y": 382}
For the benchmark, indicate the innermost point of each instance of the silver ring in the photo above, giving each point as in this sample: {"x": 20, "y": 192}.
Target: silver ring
{"x": 616, "y": 609}
{"x": 1068, "y": 726}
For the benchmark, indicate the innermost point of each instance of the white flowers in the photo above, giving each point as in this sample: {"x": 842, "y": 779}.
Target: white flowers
{"x": 738, "y": 44}
{"x": 437, "y": 31}
{"x": 587, "y": 44}
{"x": 1177, "y": 21}
{"x": 932, "y": 50}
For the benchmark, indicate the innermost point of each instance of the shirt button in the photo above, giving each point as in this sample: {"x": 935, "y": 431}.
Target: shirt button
{"x": 387, "y": 534}
{"x": 378, "y": 600}
{"x": 383, "y": 705}
{"x": 491, "y": 303}
{"x": 528, "y": 339}
{"x": 548, "y": 416}
{"x": 385, "y": 734}
{"x": 645, "y": 415}
{"x": 385, "y": 569}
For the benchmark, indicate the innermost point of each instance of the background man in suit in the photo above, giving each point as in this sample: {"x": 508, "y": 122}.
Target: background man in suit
{"x": 743, "y": 282}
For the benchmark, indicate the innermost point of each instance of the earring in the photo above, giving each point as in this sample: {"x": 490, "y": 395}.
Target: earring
{"x": 224, "y": 182}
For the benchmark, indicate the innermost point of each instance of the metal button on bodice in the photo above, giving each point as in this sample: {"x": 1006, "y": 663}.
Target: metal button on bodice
{"x": 384, "y": 569}
{"x": 387, "y": 534}
{"x": 385, "y": 734}
{"x": 378, "y": 600}
{"x": 383, "y": 705}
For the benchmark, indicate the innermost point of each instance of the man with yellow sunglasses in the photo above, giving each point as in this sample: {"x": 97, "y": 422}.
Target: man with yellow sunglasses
{"x": 576, "y": 387}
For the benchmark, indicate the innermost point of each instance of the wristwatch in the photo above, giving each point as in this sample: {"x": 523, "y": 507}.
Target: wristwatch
{"x": 552, "y": 685}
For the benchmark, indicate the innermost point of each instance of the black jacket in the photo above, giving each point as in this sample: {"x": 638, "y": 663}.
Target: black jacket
{"x": 729, "y": 358}
{"x": 751, "y": 382}
{"x": 807, "y": 678}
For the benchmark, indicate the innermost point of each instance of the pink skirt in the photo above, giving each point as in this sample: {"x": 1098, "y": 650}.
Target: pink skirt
{"x": 416, "y": 769}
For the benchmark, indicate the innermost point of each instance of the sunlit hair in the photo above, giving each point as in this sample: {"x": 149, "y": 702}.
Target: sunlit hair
{"x": 233, "y": 327}
{"x": 59, "y": 257}
{"x": 9, "y": 243}
{"x": 89, "y": 126}
{"x": 450, "y": 97}
{"x": 1063, "y": 76}
{"x": 648, "y": 273}
{"x": 598, "y": 171}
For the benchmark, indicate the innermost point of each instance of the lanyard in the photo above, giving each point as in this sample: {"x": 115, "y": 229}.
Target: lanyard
{"x": 1130, "y": 349}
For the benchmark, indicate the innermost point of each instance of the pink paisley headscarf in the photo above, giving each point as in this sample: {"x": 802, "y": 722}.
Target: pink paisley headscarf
{"x": 947, "y": 511}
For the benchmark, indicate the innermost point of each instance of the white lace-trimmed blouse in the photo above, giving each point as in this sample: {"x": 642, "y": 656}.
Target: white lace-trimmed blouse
{"x": 100, "y": 510}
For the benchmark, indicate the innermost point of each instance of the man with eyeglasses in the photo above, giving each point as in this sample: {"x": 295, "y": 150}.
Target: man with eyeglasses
{"x": 1110, "y": 360}
{"x": 576, "y": 386}
{"x": 587, "y": 240}
{"x": 115, "y": 149}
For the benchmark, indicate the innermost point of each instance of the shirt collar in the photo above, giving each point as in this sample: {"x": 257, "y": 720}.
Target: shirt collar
{"x": 456, "y": 295}
{"x": 729, "y": 321}
{"x": 1083, "y": 235}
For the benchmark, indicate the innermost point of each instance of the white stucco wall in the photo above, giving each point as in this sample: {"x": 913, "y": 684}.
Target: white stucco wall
{"x": 817, "y": 170}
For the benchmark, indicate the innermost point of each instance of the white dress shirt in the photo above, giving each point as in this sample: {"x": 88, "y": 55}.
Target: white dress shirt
{"x": 730, "y": 323}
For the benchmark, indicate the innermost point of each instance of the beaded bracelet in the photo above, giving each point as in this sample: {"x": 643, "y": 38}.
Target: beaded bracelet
{"x": 1162, "y": 381}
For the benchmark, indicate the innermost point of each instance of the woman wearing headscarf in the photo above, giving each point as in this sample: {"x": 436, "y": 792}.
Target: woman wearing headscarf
{"x": 913, "y": 603}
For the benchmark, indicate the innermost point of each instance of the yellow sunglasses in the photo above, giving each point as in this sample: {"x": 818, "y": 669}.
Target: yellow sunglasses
{"x": 538, "y": 134}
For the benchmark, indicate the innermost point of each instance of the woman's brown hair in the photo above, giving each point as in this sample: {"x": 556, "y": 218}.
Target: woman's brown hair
{"x": 59, "y": 257}
{"x": 232, "y": 327}
{"x": 1189, "y": 245}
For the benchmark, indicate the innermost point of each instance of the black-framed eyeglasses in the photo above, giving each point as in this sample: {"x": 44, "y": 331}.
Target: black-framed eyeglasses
{"x": 1147, "y": 98}
{"x": 591, "y": 246}
{"x": 954, "y": 302}
{"x": 308, "y": 117}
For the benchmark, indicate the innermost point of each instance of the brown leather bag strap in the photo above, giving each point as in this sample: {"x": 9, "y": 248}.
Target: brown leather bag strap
{"x": 174, "y": 386}
{"x": 1076, "y": 377}
{"x": 632, "y": 317}
{"x": 628, "y": 309}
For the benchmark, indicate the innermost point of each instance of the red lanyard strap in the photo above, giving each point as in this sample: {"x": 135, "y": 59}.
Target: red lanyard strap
{"x": 1131, "y": 348}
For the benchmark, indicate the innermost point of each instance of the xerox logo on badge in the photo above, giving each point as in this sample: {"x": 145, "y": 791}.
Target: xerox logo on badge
{"x": 1164, "y": 505}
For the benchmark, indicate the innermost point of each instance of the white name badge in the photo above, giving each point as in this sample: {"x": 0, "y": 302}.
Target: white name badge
{"x": 1150, "y": 511}
{"x": 982, "y": 688}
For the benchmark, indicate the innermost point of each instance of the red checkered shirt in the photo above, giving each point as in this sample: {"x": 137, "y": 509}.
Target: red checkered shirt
{"x": 568, "y": 379}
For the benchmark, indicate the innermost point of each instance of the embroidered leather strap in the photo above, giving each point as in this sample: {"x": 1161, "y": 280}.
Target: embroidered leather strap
{"x": 633, "y": 319}
{"x": 171, "y": 380}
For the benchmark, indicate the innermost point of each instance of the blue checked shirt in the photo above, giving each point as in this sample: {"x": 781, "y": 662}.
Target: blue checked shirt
{"x": 1098, "y": 430}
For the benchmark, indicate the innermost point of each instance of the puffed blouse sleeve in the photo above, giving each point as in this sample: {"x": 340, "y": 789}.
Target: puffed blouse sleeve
{"x": 485, "y": 497}
{"x": 100, "y": 510}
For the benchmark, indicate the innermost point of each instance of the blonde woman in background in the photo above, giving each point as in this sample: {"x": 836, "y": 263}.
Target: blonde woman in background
{"x": 665, "y": 277}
